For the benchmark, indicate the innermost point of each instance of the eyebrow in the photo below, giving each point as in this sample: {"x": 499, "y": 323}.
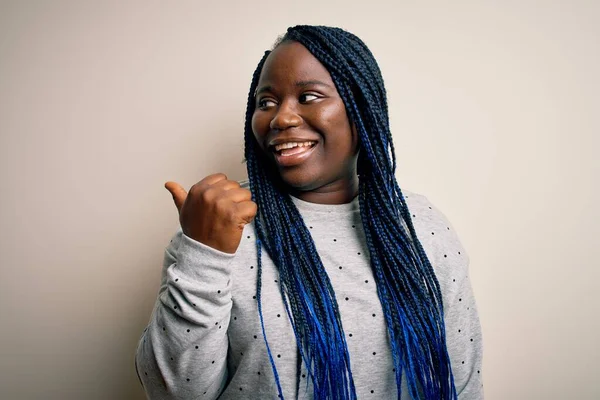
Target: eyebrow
{"x": 312, "y": 82}
{"x": 298, "y": 84}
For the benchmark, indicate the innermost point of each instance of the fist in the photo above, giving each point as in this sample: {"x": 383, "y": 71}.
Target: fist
{"x": 214, "y": 212}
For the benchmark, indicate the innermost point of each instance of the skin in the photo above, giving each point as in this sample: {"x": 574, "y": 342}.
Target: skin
{"x": 292, "y": 105}
{"x": 214, "y": 212}
{"x": 296, "y": 101}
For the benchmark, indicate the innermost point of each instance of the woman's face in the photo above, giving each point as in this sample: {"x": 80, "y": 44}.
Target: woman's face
{"x": 300, "y": 122}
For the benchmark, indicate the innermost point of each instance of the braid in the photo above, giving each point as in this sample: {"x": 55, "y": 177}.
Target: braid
{"x": 407, "y": 287}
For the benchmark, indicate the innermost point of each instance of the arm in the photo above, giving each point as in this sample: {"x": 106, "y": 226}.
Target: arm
{"x": 463, "y": 329}
{"x": 464, "y": 339}
{"x": 183, "y": 351}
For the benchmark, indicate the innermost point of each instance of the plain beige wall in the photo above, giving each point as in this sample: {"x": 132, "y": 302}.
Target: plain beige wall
{"x": 494, "y": 109}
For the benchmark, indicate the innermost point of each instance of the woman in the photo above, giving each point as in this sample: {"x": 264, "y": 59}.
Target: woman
{"x": 319, "y": 278}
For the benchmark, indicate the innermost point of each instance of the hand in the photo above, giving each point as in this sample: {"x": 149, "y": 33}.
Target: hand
{"x": 214, "y": 212}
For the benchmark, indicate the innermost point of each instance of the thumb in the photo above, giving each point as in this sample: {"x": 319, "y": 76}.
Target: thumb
{"x": 178, "y": 192}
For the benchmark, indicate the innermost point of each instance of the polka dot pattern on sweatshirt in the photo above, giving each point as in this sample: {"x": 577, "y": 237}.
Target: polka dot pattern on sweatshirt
{"x": 216, "y": 317}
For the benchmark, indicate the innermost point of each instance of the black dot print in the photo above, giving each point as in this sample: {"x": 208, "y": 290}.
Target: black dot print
{"x": 344, "y": 275}
{"x": 145, "y": 373}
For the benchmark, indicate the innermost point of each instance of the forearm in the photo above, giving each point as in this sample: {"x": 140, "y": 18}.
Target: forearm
{"x": 183, "y": 351}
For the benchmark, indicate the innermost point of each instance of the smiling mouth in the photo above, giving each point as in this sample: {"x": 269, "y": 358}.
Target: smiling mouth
{"x": 293, "y": 148}
{"x": 290, "y": 154}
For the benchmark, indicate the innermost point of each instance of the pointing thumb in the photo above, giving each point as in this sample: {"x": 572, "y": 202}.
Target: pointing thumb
{"x": 178, "y": 192}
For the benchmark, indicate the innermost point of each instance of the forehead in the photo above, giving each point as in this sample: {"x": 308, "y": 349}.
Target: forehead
{"x": 291, "y": 62}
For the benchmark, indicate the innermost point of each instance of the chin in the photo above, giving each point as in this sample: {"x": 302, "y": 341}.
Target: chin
{"x": 300, "y": 181}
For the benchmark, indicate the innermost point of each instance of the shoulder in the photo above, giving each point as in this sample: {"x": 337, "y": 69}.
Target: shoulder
{"x": 424, "y": 212}
{"x": 440, "y": 240}
{"x": 430, "y": 222}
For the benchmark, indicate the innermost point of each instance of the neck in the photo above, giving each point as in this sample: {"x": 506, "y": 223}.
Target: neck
{"x": 338, "y": 192}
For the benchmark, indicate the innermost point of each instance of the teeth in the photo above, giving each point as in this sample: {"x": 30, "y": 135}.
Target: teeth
{"x": 290, "y": 145}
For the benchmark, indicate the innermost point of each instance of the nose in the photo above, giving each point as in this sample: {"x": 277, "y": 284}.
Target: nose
{"x": 286, "y": 117}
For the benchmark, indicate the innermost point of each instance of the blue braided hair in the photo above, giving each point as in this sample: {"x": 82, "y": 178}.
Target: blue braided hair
{"x": 407, "y": 287}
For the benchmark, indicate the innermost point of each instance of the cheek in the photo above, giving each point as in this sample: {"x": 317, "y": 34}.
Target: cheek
{"x": 258, "y": 127}
{"x": 335, "y": 121}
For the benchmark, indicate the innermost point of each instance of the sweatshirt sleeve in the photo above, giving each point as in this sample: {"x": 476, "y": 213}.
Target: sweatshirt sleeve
{"x": 183, "y": 351}
{"x": 464, "y": 338}
{"x": 462, "y": 325}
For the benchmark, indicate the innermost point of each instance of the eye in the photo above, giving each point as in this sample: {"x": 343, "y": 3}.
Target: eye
{"x": 265, "y": 103}
{"x": 308, "y": 97}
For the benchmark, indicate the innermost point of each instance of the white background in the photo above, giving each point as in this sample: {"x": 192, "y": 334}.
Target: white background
{"x": 494, "y": 108}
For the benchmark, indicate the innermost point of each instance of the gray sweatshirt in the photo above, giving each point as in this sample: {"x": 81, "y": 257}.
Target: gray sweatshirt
{"x": 204, "y": 339}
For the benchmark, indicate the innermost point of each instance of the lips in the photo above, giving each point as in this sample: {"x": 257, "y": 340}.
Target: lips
{"x": 285, "y": 147}
{"x": 289, "y": 153}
